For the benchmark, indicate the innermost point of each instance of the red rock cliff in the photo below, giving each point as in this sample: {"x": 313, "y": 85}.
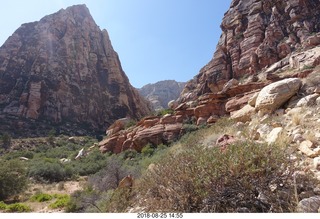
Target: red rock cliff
{"x": 63, "y": 71}
{"x": 256, "y": 34}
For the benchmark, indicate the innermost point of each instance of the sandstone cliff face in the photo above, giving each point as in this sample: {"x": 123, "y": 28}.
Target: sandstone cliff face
{"x": 160, "y": 93}
{"x": 63, "y": 71}
{"x": 256, "y": 34}
{"x": 262, "y": 42}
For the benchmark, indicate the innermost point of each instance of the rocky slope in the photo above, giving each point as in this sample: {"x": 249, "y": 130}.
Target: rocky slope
{"x": 62, "y": 72}
{"x": 160, "y": 93}
{"x": 265, "y": 75}
{"x": 228, "y": 84}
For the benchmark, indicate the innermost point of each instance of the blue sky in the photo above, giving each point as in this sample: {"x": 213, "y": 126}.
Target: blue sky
{"x": 155, "y": 39}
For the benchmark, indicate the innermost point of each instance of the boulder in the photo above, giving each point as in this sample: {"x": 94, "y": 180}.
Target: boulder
{"x": 212, "y": 119}
{"x": 201, "y": 121}
{"x": 168, "y": 119}
{"x": 276, "y": 94}
{"x": 244, "y": 114}
{"x": 309, "y": 205}
{"x": 126, "y": 182}
{"x": 316, "y": 163}
{"x": 237, "y": 103}
{"x": 274, "y": 135}
{"x": 308, "y": 100}
{"x": 306, "y": 148}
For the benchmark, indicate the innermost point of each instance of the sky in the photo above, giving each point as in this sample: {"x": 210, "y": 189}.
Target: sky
{"x": 155, "y": 39}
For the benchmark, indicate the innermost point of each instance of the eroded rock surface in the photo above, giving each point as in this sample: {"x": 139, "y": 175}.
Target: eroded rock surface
{"x": 161, "y": 93}
{"x": 257, "y": 34}
{"x": 62, "y": 72}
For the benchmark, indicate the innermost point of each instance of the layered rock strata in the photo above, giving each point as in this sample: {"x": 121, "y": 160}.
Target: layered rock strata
{"x": 255, "y": 35}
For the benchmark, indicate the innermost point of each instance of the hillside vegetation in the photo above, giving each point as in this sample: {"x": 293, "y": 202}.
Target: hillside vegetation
{"x": 194, "y": 174}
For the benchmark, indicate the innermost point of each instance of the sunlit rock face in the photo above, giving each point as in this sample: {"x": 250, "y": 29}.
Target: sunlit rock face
{"x": 62, "y": 72}
{"x": 161, "y": 93}
{"x": 256, "y": 34}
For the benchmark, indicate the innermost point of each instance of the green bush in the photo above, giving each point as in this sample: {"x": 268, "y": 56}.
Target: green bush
{"x": 91, "y": 164}
{"x": 147, "y": 151}
{"x": 13, "y": 178}
{"x": 41, "y": 197}
{"x": 48, "y": 171}
{"x": 80, "y": 201}
{"x": 18, "y": 207}
{"x": 17, "y": 154}
{"x": 3, "y": 206}
{"x": 61, "y": 202}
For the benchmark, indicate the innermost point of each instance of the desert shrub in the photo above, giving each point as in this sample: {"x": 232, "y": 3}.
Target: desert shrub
{"x": 187, "y": 128}
{"x": 18, "y": 207}
{"x": 158, "y": 154}
{"x": 41, "y": 197}
{"x": 13, "y": 178}
{"x": 61, "y": 202}
{"x": 3, "y": 206}
{"x": 130, "y": 124}
{"x": 110, "y": 176}
{"x": 164, "y": 112}
{"x": 101, "y": 186}
{"x": 128, "y": 154}
{"x": 148, "y": 150}
{"x": 211, "y": 180}
{"x": 17, "y": 154}
{"x": 51, "y": 136}
{"x": 91, "y": 164}
{"x": 119, "y": 201}
{"x": 80, "y": 201}
{"x": 46, "y": 170}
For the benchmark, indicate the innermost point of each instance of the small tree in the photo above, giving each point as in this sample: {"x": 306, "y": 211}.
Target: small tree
{"x": 51, "y": 135}
{"x": 13, "y": 179}
{"x": 6, "y": 141}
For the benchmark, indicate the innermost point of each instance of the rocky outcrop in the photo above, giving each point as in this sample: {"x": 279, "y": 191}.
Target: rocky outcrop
{"x": 151, "y": 130}
{"x": 265, "y": 48}
{"x": 255, "y": 35}
{"x": 276, "y": 94}
{"x": 161, "y": 93}
{"x": 62, "y": 72}
{"x": 155, "y": 130}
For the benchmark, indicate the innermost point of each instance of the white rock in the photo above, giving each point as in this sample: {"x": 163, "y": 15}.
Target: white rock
{"x": 244, "y": 114}
{"x": 276, "y": 94}
{"x": 253, "y": 99}
{"x": 316, "y": 163}
{"x": 274, "y": 135}
{"x": 305, "y": 148}
{"x": 264, "y": 130}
